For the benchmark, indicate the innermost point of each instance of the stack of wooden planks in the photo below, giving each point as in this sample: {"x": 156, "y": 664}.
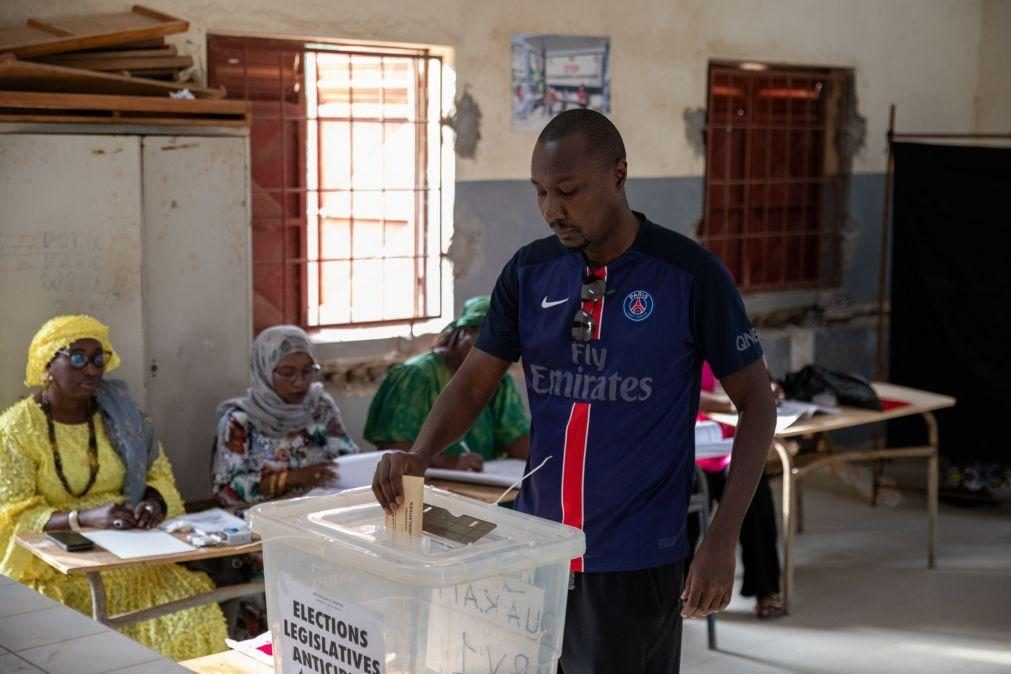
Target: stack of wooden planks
{"x": 106, "y": 68}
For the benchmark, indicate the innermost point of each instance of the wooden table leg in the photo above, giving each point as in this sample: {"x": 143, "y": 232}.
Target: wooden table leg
{"x": 99, "y": 606}
{"x": 932, "y": 488}
{"x": 799, "y": 500}
{"x": 789, "y": 518}
{"x": 100, "y": 609}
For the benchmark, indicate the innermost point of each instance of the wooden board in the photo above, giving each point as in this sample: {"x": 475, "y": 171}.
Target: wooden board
{"x": 71, "y": 33}
{"x": 71, "y": 58}
{"x": 17, "y": 106}
{"x": 164, "y": 76}
{"x": 153, "y": 43}
{"x": 18, "y": 75}
{"x": 80, "y": 563}
{"x": 129, "y": 63}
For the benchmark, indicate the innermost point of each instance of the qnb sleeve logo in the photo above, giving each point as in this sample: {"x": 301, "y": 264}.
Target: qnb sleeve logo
{"x": 746, "y": 340}
{"x": 638, "y": 306}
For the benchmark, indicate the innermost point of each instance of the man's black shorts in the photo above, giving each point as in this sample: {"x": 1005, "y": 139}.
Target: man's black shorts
{"x": 624, "y": 622}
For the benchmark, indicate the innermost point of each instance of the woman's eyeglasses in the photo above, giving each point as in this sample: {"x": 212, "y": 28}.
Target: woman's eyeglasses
{"x": 79, "y": 360}
{"x": 583, "y": 323}
{"x": 291, "y": 375}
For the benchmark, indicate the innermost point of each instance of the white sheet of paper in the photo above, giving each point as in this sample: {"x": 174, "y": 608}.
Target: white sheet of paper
{"x": 784, "y": 421}
{"x": 714, "y": 450}
{"x": 497, "y": 473}
{"x": 709, "y": 441}
{"x": 135, "y": 543}
{"x": 356, "y": 470}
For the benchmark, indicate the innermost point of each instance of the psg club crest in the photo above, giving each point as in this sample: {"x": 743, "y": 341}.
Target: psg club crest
{"x": 638, "y": 306}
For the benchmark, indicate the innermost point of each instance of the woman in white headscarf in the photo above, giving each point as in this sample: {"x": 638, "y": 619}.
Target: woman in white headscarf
{"x": 281, "y": 437}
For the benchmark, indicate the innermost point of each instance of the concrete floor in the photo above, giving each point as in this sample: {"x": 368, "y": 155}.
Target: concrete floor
{"x": 864, "y": 599}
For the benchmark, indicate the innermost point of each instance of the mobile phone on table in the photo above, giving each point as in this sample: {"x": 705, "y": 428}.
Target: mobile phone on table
{"x": 71, "y": 541}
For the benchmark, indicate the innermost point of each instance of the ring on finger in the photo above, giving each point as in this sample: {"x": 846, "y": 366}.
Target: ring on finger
{"x": 149, "y": 507}
{"x": 118, "y": 523}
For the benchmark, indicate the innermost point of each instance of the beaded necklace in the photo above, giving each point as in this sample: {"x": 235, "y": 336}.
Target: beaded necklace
{"x": 92, "y": 450}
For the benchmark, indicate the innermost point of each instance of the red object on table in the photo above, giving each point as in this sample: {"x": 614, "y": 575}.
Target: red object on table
{"x": 887, "y": 404}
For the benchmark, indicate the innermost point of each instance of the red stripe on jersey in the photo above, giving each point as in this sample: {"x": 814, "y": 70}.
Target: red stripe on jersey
{"x": 576, "y": 435}
{"x": 573, "y": 470}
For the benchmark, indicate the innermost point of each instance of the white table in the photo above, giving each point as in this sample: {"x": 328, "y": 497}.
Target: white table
{"x": 796, "y": 466}
{"x": 38, "y": 634}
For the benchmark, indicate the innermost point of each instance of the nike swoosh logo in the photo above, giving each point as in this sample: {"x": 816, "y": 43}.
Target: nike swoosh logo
{"x": 547, "y": 305}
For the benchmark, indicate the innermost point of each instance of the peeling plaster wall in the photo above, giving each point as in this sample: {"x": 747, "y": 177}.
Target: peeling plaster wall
{"x": 660, "y": 49}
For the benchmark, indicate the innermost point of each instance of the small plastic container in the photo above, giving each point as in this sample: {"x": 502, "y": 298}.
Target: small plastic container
{"x": 345, "y": 595}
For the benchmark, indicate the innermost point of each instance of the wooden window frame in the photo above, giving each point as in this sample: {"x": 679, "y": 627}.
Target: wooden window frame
{"x": 773, "y": 212}
{"x": 281, "y": 257}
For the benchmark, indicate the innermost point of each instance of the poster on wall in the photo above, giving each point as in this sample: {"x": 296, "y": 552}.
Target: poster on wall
{"x": 552, "y": 73}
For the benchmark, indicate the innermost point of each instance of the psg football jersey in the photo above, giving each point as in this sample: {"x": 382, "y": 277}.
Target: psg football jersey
{"x": 616, "y": 413}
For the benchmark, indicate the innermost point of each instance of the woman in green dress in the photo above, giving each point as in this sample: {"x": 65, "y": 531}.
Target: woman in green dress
{"x": 405, "y": 397}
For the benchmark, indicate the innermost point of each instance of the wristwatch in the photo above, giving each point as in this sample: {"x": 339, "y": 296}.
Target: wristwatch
{"x": 75, "y": 525}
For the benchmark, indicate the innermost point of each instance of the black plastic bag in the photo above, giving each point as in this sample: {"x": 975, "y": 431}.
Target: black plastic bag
{"x": 849, "y": 389}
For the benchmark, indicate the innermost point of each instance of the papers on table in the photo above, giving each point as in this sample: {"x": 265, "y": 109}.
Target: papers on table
{"x": 137, "y": 543}
{"x": 790, "y": 411}
{"x": 213, "y": 519}
{"x": 499, "y": 473}
{"x": 356, "y": 470}
{"x": 709, "y": 442}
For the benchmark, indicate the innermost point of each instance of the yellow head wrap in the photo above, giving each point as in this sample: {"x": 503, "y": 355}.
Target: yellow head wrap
{"x": 59, "y": 333}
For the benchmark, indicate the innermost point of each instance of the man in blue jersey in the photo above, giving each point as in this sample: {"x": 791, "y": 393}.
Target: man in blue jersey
{"x": 613, "y": 317}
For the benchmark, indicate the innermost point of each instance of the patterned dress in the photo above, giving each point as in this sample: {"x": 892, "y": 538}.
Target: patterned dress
{"x": 31, "y": 491}
{"x": 408, "y": 393}
{"x": 242, "y": 451}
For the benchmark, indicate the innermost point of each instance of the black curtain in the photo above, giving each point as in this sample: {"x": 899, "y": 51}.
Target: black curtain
{"x": 950, "y": 328}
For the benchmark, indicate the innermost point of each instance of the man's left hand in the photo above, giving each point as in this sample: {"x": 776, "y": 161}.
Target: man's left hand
{"x": 710, "y": 578}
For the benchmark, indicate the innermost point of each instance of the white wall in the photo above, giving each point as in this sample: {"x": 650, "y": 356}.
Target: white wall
{"x": 70, "y": 214}
{"x": 922, "y": 55}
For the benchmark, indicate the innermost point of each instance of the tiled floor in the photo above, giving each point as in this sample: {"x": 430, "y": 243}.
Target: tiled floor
{"x": 865, "y": 601}
{"x": 39, "y": 635}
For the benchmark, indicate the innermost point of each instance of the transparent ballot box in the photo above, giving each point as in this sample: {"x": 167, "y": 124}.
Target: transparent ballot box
{"x": 345, "y": 595}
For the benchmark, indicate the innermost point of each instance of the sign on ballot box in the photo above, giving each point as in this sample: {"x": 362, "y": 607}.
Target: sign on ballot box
{"x": 326, "y": 635}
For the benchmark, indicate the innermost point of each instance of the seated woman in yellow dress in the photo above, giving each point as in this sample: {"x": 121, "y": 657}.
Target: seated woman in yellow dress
{"x": 80, "y": 454}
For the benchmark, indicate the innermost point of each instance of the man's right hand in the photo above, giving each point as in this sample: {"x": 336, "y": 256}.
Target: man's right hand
{"x": 387, "y": 484}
